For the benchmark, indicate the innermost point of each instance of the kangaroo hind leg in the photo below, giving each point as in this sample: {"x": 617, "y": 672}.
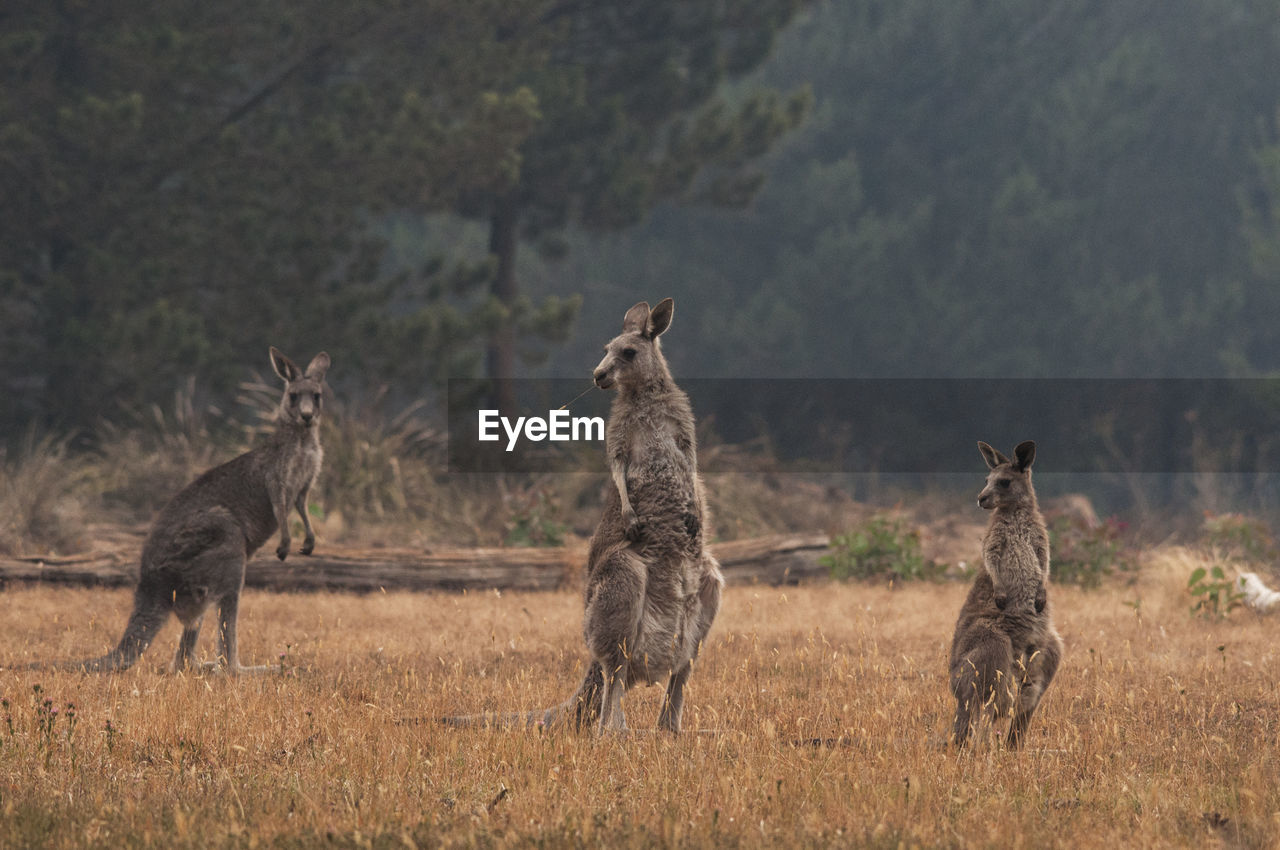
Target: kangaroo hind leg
{"x": 228, "y": 647}
{"x": 982, "y": 682}
{"x": 673, "y": 702}
{"x": 1039, "y": 670}
{"x": 611, "y": 626}
{"x": 187, "y": 643}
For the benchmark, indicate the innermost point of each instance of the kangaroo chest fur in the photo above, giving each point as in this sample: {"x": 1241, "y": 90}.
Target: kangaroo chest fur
{"x": 655, "y": 440}
{"x": 1015, "y": 554}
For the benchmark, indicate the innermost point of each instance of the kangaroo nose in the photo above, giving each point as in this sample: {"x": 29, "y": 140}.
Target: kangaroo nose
{"x": 598, "y": 375}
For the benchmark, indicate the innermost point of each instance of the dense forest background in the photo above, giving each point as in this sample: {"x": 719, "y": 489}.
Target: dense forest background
{"x": 995, "y": 189}
{"x": 434, "y": 190}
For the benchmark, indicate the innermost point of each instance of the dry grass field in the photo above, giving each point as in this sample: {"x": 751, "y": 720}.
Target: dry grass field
{"x": 819, "y": 711}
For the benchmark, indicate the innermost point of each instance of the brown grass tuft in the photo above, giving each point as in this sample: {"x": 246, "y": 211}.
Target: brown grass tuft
{"x": 41, "y": 507}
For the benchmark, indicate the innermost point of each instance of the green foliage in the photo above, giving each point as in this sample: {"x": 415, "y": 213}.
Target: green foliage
{"x": 621, "y": 130}
{"x": 884, "y": 546}
{"x": 1232, "y": 540}
{"x": 1084, "y": 555}
{"x": 1216, "y": 595}
{"x": 536, "y": 521}
{"x": 964, "y": 155}
{"x": 186, "y": 186}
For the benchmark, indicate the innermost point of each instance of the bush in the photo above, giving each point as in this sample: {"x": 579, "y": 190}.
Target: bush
{"x": 1216, "y": 595}
{"x": 536, "y": 521}
{"x": 883, "y": 546}
{"x": 1237, "y": 538}
{"x": 1084, "y": 555}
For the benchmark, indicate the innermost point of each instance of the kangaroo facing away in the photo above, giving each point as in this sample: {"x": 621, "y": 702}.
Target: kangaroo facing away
{"x": 652, "y": 589}
{"x": 195, "y": 555}
{"x": 1005, "y": 643}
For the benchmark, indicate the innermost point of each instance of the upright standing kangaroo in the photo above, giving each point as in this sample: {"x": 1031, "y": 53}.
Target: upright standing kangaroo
{"x": 652, "y": 588}
{"x": 1005, "y": 621}
{"x": 196, "y": 552}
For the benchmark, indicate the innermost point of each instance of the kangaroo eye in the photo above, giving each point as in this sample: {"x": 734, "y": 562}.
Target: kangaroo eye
{"x": 1003, "y": 483}
{"x": 293, "y": 398}
{"x": 315, "y": 397}
{"x": 629, "y": 354}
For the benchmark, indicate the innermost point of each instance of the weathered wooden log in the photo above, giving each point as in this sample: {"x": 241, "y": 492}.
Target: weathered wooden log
{"x": 777, "y": 559}
{"x": 408, "y": 569}
{"x": 101, "y": 570}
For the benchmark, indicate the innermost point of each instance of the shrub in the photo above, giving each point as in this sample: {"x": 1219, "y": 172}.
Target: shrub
{"x": 1084, "y": 555}
{"x": 1216, "y": 596}
{"x": 536, "y": 522}
{"x": 1237, "y": 538}
{"x": 883, "y": 546}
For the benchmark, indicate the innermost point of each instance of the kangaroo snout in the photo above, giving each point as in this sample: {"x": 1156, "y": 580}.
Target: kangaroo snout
{"x": 602, "y": 378}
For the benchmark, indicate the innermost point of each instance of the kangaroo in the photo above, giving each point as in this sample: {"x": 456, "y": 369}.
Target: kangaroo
{"x": 652, "y": 588}
{"x": 1006, "y": 618}
{"x": 196, "y": 552}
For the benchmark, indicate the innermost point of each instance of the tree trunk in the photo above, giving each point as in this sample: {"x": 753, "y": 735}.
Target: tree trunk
{"x": 501, "y": 360}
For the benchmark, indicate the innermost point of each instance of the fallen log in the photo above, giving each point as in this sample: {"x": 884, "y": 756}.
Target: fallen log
{"x": 93, "y": 569}
{"x": 776, "y": 559}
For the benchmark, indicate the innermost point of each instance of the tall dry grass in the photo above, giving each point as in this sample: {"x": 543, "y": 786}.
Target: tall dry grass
{"x": 385, "y": 481}
{"x": 821, "y": 710}
{"x": 42, "y": 490}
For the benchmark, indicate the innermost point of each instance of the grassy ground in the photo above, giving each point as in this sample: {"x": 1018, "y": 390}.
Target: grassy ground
{"x": 821, "y": 711}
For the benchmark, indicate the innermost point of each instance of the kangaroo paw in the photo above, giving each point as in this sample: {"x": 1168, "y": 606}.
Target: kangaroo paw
{"x": 632, "y": 527}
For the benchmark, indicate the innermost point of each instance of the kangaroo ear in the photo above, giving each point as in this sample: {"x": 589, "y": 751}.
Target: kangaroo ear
{"x": 637, "y": 318}
{"x": 285, "y": 368}
{"x": 318, "y": 366}
{"x": 660, "y": 318}
{"x": 991, "y": 456}
{"x": 1025, "y": 453}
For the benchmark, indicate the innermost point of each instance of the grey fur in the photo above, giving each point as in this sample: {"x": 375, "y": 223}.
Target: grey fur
{"x": 652, "y": 588}
{"x": 1006, "y": 621}
{"x": 195, "y": 554}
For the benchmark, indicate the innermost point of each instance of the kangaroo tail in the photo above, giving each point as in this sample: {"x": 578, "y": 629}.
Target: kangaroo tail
{"x": 581, "y": 711}
{"x": 145, "y": 621}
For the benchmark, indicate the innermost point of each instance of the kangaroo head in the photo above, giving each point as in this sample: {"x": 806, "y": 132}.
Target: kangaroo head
{"x": 303, "y": 389}
{"x": 634, "y": 356}
{"x": 1009, "y": 482}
